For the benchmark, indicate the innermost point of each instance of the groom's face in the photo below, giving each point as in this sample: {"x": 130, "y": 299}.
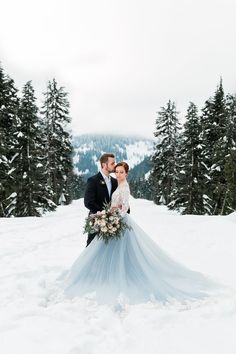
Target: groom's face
{"x": 110, "y": 164}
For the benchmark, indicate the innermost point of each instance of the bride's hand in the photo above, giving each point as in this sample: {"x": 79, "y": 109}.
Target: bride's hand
{"x": 115, "y": 207}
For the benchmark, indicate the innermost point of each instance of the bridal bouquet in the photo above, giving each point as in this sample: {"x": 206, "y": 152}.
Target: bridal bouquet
{"x": 107, "y": 224}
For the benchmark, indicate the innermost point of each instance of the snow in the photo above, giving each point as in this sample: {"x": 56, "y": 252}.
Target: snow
{"x": 137, "y": 151}
{"x": 10, "y": 171}
{"x": 36, "y": 319}
{"x": 13, "y": 195}
{"x": 147, "y": 175}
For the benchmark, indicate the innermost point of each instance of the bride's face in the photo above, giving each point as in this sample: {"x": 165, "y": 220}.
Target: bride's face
{"x": 120, "y": 173}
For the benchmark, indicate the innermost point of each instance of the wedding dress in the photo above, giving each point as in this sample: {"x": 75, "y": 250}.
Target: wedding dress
{"x": 132, "y": 269}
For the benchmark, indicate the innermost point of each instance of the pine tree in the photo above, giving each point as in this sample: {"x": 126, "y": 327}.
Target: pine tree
{"x": 78, "y": 186}
{"x": 59, "y": 147}
{"x": 230, "y": 137}
{"x": 140, "y": 187}
{"x": 230, "y": 175}
{"x": 33, "y": 195}
{"x": 9, "y": 104}
{"x": 188, "y": 195}
{"x": 229, "y": 202}
{"x": 214, "y": 123}
{"x": 163, "y": 173}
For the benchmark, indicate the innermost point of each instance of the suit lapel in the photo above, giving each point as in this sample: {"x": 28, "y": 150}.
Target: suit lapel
{"x": 104, "y": 186}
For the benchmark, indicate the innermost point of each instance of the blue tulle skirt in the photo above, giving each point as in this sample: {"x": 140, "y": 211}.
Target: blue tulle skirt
{"x": 132, "y": 269}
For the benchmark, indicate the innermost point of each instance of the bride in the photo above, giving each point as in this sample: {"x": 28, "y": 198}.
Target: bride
{"x": 132, "y": 269}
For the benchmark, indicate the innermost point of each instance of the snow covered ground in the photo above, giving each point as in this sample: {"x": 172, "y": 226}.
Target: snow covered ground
{"x": 35, "y": 320}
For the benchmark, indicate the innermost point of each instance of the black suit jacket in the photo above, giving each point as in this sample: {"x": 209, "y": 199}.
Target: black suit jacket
{"x": 96, "y": 193}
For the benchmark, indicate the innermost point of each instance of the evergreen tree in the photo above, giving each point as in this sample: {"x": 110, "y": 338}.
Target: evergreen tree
{"x": 163, "y": 173}
{"x": 230, "y": 175}
{"x": 33, "y": 195}
{"x": 140, "y": 187}
{"x": 59, "y": 147}
{"x": 214, "y": 123}
{"x": 188, "y": 195}
{"x": 78, "y": 186}
{"x": 9, "y": 104}
{"x": 229, "y": 202}
{"x": 230, "y": 137}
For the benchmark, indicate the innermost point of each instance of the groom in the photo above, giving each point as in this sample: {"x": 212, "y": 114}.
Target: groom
{"x": 100, "y": 187}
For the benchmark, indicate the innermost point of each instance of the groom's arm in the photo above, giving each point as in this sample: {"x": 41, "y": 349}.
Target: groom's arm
{"x": 90, "y": 196}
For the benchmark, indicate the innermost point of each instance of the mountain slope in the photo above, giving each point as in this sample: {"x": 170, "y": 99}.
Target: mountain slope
{"x": 88, "y": 149}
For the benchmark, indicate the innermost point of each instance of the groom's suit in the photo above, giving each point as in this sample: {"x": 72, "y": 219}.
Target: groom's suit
{"x": 96, "y": 195}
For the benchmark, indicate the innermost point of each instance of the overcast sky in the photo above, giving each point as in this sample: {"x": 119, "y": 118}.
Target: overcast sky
{"x": 121, "y": 60}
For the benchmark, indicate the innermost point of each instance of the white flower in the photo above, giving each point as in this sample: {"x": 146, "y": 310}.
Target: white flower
{"x": 104, "y": 229}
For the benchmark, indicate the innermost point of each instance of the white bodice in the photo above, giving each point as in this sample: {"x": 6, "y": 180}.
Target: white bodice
{"x": 121, "y": 197}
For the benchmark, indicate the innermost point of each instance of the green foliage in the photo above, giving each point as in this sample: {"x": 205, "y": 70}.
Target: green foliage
{"x": 9, "y": 105}
{"x": 36, "y": 170}
{"x": 59, "y": 149}
{"x": 187, "y": 195}
{"x": 230, "y": 175}
{"x": 215, "y": 149}
{"x": 77, "y": 186}
{"x": 163, "y": 173}
{"x": 33, "y": 194}
{"x": 198, "y": 177}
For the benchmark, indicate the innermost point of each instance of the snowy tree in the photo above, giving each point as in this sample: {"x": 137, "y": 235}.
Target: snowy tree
{"x": 78, "y": 186}
{"x": 229, "y": 202}
{"x": 214, "y": 123}
{"x": 230, "y": 175}
{"x": 9, "y": 104}
{"x": 55, "y": 113}
{"x": 188, "y": 194}
{"x": 33, "y": 194}
{"x": 230, "y": 136}
{"x": 140, "y": 187}
{"x": 163, "y": 173}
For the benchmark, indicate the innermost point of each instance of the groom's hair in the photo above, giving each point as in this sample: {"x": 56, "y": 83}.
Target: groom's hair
{"x": 104, "y": 158}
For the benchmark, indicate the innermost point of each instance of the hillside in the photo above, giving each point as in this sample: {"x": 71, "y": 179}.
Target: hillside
{"x": 88, "y": 148}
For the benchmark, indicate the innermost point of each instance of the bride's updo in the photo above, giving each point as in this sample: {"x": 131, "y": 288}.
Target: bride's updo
{"x": 123, "y": 164}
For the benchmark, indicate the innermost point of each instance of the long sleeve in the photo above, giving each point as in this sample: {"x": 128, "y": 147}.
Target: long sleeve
{"x": 125, "y": 193}
{"x": 121, "y": 198}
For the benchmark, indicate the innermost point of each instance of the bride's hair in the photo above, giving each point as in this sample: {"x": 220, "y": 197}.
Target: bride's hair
{"x": 124, "y": 164}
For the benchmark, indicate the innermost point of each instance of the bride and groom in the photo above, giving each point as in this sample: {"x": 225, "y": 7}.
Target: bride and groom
{"x": 132, "y": 269}
{"x": 100, "y": 187}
